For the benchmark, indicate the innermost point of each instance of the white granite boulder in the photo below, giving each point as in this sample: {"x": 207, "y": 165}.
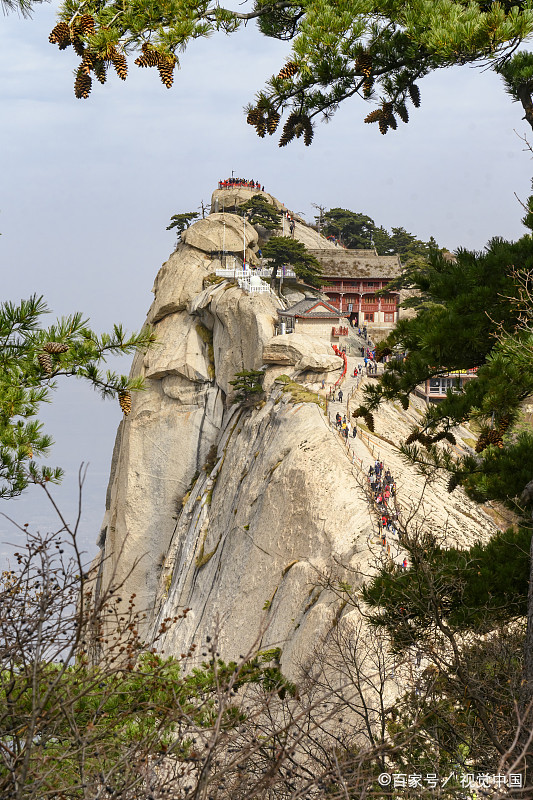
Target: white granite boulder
{"x": 300, "y": 350}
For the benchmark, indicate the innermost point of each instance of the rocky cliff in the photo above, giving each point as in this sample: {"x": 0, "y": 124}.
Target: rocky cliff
{"x": 234, "y": 510}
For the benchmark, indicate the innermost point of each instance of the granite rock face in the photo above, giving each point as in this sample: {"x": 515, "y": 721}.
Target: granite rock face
{"x": 301, "y": 351}
{"x": 219, "y": 232}
{"x": 235, "y": 510}
{"x": 208, "y": 329}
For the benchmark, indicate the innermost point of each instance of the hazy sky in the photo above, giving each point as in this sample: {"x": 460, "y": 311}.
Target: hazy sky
{"x": 88, "y": 187}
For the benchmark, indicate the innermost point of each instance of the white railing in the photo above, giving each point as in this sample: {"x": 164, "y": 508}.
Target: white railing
{"x": 239, "y": 272}
{"x": 261, "y": 288}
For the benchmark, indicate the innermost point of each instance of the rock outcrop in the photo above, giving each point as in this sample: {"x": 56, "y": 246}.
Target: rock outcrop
{"x": 235, "y": 510}
{"x": 221, "y": 232}
{"x": 302, "y": 352}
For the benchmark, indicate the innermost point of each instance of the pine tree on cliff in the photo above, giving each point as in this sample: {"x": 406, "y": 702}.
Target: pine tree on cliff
{"x": 260, "y": 212}
{"x": 181, "y": 222}
{"x": 281, "y": 251}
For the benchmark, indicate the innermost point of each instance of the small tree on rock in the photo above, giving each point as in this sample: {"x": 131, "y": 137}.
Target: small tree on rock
{"x": 282, "y": 251}
{"x": 181, "y": 222}
{"x": 248, "y": 384}
{"x": 260, "y": 212}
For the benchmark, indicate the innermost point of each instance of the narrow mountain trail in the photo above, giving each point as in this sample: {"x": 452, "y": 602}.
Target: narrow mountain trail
{"x": 363, "y": 451}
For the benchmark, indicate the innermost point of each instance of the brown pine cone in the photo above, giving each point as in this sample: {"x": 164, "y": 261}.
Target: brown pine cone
{"x": 124, "y": 399}
{"x": 45, "y": 362}
{"x": 55, "y": 347}
{"x": 290, "y": 69}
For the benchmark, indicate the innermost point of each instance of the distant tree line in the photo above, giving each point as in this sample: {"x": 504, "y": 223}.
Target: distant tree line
{"x": 358, "y": 231}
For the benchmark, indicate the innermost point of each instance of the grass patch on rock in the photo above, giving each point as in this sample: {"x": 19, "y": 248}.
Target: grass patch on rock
{"x": 298, "y": 393}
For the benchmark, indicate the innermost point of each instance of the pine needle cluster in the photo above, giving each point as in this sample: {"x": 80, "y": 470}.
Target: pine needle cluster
{"x": 31, "y": 360}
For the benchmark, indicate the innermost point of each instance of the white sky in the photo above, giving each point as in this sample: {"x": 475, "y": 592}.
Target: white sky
{"x": 88, "y": 187}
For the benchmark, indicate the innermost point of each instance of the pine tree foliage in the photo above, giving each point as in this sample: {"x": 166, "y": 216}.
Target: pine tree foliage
{"x": 463, "y": 612}
{"x": 32, "y": 358}
{"x": 359, "y": 231}
{"x": 260, "y": 212}
{"x": 181, "y": 222}
{"x": 248, "y": 384}
{"x": 282, "y": 251}
{"x": 379, "y": 50}
{"x": 475, "y": 594}
{"x": 475, "y": 312}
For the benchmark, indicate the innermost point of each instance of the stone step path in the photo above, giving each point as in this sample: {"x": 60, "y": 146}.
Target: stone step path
{"x": 362, "y": 450}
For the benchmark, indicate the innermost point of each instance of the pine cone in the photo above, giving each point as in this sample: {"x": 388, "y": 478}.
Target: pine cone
{"x": 391, "y": 119}
{"x": 308, "y": 131}
{"x": 76, "y": 42}
{"x": 261, "y": 128}
{"x": 444, "y": 435}
{"x": 360, "y": 411}
{"x": 166, "y": 73}
{"x": 119, "y": 62}
{"x": 290, "y": 69}
{"x": 100, "y": 71}
{"x": 374, "y": 116}
{"x": 86, "y": 24}
{"x": 383, "y": 126}
{"x": 87, "y": 63}
{"x": 504, "y": 423}
{"x": 45, "y": 362}
{"x": 494, "y": 437}
{"x": 402, "y": 112}
{"x": 272, "y": 122}
{"x": 404, "y": 400}
{"x": 453, "y": 483}
{"x": 369, "y": 419}
{"x": 149, "y": 57}
{"x": 482, "y": 442}
{"x": 363, "y": 64}
{"x": 124, "y": 399}
{"x": 253, "y": 117}
{"x": 289, "y": 129}
{"x": 55, "y": 347}
{"x": 414, "y": 93}
{"x": 413, "y": 437}
{"x": 60, "y": 35}
{"x": 82, "y": 85}
{"x": 367, "y": 87}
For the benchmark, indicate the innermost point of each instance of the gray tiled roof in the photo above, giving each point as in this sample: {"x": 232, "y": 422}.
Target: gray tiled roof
{"x": 301, "y": 309}
{"x": 357, "y": 264}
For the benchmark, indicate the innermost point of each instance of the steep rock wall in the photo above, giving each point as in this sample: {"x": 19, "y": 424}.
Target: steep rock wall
{"x": 205, "y": 335}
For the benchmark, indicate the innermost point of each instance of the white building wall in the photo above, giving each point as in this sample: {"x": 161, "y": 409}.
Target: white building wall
{"x": 319, "y": 327}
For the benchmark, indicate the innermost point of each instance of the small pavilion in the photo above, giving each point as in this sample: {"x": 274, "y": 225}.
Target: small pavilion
{"x": 314, "y": 317}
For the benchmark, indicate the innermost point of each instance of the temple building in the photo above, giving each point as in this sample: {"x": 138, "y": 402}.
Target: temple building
{"x": 351, "y": 280}
{"x": 314, "y": 317}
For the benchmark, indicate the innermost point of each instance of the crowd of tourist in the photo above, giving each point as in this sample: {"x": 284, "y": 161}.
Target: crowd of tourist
{"x": 344, "y": 425}
{"x": 382, "y": 488}
{"x": 381, "y": 484}
{"x": 367, "y": 368}
{"x": 240, "y": 183}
